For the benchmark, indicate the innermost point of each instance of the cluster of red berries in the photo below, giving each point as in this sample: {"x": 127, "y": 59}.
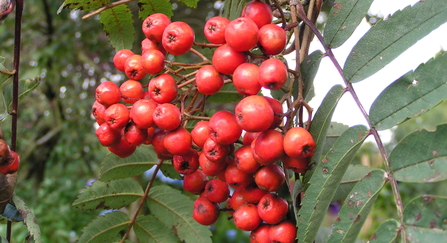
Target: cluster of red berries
{"x": 9, "y": 160}
{"x": 211, "y": 156}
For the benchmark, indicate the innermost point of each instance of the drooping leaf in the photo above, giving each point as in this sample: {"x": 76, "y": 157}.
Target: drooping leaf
{"x": 174, "y": 210}
{"x": 150, "y": 230}
{"x": 386, "y": 233}
{"x": 190, "y": 3}
{"x": 104, "y": 228}
{"x": 228, "y": 94}
{"x": 320, "y": 125}
{"x": 421, "y": 156}
{"x": 309, "y": 68}
{"x": 25, "y": 87}
{"x": 148, "y": 7}
{"x": 344, "y": 17}
{"x": 426, "y": 211}
{"x": 113, "y": 194}
{"x": 114, "y": 167}
{"x": 423, "y": 235}
{"x": 85, "y": 5}
{"x": 353, "y": 175}
{"x": 325, "y": 180}
{"x": 28, "y": 219}
{"x": 357, "y": 206}
{"x": 118, "y": 24}
{"x": 418, "y": 91}
{"x": 233, "y": 9}
{"x": 389, "y": 38}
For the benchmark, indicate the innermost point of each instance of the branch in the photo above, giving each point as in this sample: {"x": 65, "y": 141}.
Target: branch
{"x": 107, "y": 6}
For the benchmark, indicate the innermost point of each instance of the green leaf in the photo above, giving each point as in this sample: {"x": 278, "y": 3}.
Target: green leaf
{"x": 28, "y": 219}
{"x": 114, "y": 167}
{"x": 85, "y": 5}
{"x": 3, "y": 72}
{"x": 309, "y": 68}
{"x": 353, "y": 174}
{"x": 421, "y": 156}
{"x": 418, "y": 91}
{"x": 320, "y": 125}
{"x": 228, "y": 94}
{"x": 389, "y": 38}
{"x": 424, "y": 235}
{"x": 333, "y": 133}
{"x": 324, "y": 233}
{"x": 118, "y": 24}
{"x": 233, "y": 9}
{"x": 114, "y": 194}
{"x": 148, "y": 7}
{"x": 325, "y": 180}
{"x": 150, "y": 230}
{"x": 427, "y": 211}
{"x": 168, "y": 170}
{"x": 105, "y": 228}
{"x": 25, "y": 87}
{"x": 344, "y": 17}
{"x": 357, "y": 206}
{"x": 386, "y": 233}
{"x": 190, "y": 3}
{"x": 174, "y": 210}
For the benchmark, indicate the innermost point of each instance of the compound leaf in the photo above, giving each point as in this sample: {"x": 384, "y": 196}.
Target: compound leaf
{"x": 174, "y": 210}
{"x": 344, "y": 17}
{"x": 418, "y": 91}
{"x": 118, "y": 25}
{"x": 150, "y": 230}
{"x": 113, "y": 194}
{"x": 114, "y": 167}
{"x": 357, "y": 206}
{"x": 28, "y": 218}
{"x": 421, "y": 156}
{"x": 390, "y": 37}
{"x": 104, "y": 228}
{"x": 325, "y": 180}
{"x": 426, "y": 211}
{"x": 309, "y": 68}
{"x": 386, "y": 233}
{"x": 148, "y": 7}
{"x": 321, "y": 123}
{"x": 85, "y": 5}
{"x": 228, "y": 94}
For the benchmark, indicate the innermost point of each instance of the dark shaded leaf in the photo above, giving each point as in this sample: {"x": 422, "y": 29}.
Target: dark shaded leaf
{"x": 148, "y": 7}
{"x": 85, "y": 5}
{"x": 233, "y": 9}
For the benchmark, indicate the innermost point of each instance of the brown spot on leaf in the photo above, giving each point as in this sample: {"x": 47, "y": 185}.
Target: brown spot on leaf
{"x": 431, "y": 162}
{"x": 427, "y": 198}
{"x": 324, "y": 161}
{"x": 418, "y": 217}
{"x": 434, "y": 152}
{"x": 337, "y": 6}
{"x": 373, "y": 237}
{"x": 368, "y": 175}
{"x": 338, "y": 219}
{"x": 357, "y": 219}
{"x": 433, "y": 224}
{"x": 325, "y": 170}
{"x": 369, "y": 192}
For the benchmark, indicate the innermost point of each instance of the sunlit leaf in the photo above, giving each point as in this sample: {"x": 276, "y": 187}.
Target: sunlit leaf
{"x": 387, "y": 39}
{"x": 190, "y": 3}
{"x": 28, "y": 219}
{"x": 113, "y": 194}
{"x": 357, "y": 206}
{"x": 427, "y": 211}
{"x": 325, "y": 180}
{"x": 228, "y": 94}
{"x": 418, "y": 91}
{"x": 421, "y": 156}
{"x": 353, "y": 174}
{"x": 174, "y": 210}
{"x": 148, "y": 7}
{"x": 118, "y": 24}
{"x": 386, "y": 233}
{"x": 320, "y": 125}
{"x": 150, "y": 230}
{"x": 114, "y": 167}
{"x": 105, "y": 228}
{"x": 309, "y": 68}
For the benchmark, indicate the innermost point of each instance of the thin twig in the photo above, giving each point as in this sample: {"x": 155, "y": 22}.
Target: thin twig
{"x": 107, "y": 6}
{"x": 143, "y": 201}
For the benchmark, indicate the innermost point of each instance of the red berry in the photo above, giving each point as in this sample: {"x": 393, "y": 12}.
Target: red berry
{"x": 187, "y": 163}
{"x": 208, "y": 80}
{"x": 224, "y": 53}
{"x": 195, "y": 182}
{"x": 116, "y": 116}
{"x": 200, "y": 133}
{"x": 254, "y": 113}
{"x": 272, "y": 39}
{"x": 272, "y": 74}
{"x": 141, "y": 113}
{"x": 120, "y": 58}
{"x": 153, "y": 61}
{"x": 259, "y": 12}
{"x": 108, "y": 93}
{"x": 178, "y": 38}
{"x": 154, "y": 26}
{"x": 245, "y": 79}
{"x": 131, "y": 91}
{"x": 298, "y": 143}
{"x": 133, "y": 68}
{"x": 272, "y": 208}
{"x": 178, "y": 141}
{"x": 270, "y": 177}
{"x": 205, "y": 212}
{"x": 241, "y": 34}
{"x": 246, "y": 217}
{"x": 214, "y": 29}
{"x": 224, "y": 128}
{"x": 163, "y": 88}
{"x": 167, "y": 116}
{"x": 108, "y": 136}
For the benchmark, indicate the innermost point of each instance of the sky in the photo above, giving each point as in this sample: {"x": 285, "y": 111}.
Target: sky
{"x": 368, "y": 89}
